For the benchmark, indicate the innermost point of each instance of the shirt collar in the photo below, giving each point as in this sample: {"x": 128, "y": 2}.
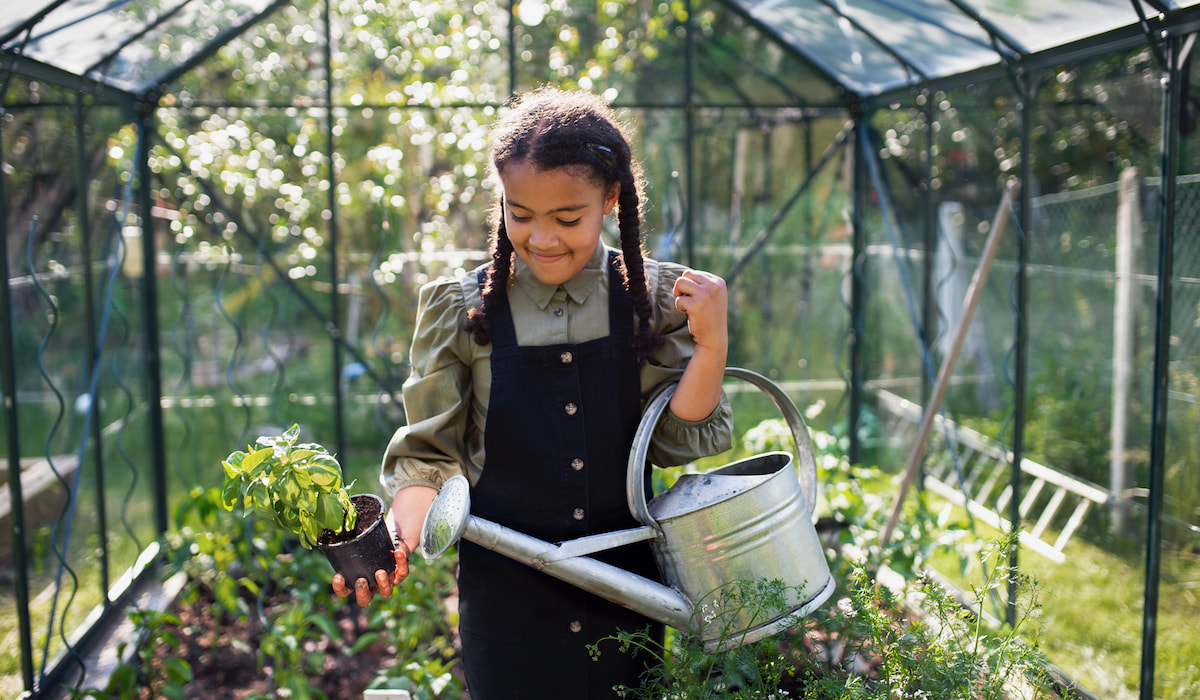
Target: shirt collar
{"x": 578, "y": 288}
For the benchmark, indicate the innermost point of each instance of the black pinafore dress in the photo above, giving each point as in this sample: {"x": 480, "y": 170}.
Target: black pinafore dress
{"x": 561, "y": 421}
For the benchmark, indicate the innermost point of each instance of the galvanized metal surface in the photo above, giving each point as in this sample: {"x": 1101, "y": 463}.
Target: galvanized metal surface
{"x": 746, "y": 522}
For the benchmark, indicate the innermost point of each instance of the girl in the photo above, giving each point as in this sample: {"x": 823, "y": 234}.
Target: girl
{"x": 528, "y": 376}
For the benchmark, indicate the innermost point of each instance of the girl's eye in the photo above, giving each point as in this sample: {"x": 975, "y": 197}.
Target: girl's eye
{"x": 519, "y": 218}
{"x": 569, "y": 223}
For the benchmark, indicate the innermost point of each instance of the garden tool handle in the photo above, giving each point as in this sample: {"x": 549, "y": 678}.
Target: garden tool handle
{"x": 806, "y": 463}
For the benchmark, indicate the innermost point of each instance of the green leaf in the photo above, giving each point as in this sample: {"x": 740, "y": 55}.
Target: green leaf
{"x": 256, "y": 494}
{"x": 362, "y": 642}
{"x": 302, "y": 477}
{"x": 299, "y": 455}
{"x": 231, "y": 465}
{"x": 330, "y": 512}
{"x": 121, "y": 683}
{"x": 324, "y": 476}
{"x": 225, "y": 590}
{"x": 326, "y": 460}
{"x": 231, "y": 494}
{"x": 250, "y": 585}
{"x": 349, "y": 512}
{"x": 254, "y": 459}
{"x": 179, "y": 670}
{"x": 327, "y": 625}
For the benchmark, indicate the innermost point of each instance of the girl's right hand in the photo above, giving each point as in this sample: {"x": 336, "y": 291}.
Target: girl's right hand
{"x": 363, "y": 592}
{"x": 409, "y": 506}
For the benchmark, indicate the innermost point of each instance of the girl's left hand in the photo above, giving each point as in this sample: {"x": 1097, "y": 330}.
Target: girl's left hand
{"x": 703, "y": 298}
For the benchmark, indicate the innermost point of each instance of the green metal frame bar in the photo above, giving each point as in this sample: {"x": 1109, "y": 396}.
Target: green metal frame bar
{"x": 1020, "y": 380}
{"x": 1176, "y": 53}
{"x": 9, "y": 406}
{"x": 689, "y": 135}
{"x": 94, "y": 348}
{"x": 335, "y": 314}
{"x": 858, "y": 291}
{"x": 150, "y": 336}
{"x": 42, "y": 72}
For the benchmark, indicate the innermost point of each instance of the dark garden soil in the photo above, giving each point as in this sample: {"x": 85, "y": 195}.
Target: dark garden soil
{"x": 225, "y": 662}
{"x": 223, "y": 654}
{"x": 369, "y": 510}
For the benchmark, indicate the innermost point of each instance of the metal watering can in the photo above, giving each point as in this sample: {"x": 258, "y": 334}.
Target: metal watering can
{"x": 749, "y": 521}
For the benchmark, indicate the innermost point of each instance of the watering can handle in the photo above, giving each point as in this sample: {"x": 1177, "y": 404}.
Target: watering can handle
{"x": 806, "y": 463}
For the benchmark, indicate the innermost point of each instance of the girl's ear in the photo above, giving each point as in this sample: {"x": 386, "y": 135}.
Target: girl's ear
{"x": 610, "y": 199}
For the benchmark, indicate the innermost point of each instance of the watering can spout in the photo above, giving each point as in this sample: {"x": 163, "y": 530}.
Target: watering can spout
{"x": 449, "y": 520}
{"x": 638, "y": 593}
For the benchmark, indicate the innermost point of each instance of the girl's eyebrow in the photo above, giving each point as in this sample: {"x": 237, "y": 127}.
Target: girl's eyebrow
{"x": 568, "y": 208}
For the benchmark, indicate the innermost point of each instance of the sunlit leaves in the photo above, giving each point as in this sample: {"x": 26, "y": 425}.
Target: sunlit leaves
{"x": 296, "y": 486}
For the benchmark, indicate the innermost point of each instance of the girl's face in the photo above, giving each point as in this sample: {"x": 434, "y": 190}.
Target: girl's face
{"x": 553, "y": 218}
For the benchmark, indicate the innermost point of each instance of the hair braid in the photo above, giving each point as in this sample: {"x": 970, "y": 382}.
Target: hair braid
{"x": 632, "y": 261}
{"x": 494, "y": 282}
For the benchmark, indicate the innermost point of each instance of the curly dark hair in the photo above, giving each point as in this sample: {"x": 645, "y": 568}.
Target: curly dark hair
{"x": 551, "y": 128}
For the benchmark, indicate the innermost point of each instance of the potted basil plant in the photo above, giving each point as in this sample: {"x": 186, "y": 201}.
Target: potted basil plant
{"x": 298, "y": 486}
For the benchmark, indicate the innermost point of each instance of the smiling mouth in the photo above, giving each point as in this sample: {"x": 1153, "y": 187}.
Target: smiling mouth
{"x": 547, "y": 257}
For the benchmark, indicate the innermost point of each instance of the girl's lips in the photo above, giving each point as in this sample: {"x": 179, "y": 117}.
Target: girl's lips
{"x": 547, "y": 258}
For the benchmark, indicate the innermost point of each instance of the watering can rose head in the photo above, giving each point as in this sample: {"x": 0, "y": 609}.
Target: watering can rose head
{"x": 298, "y": 486}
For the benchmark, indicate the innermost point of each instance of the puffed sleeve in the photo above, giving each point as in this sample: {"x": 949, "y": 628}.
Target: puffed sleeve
{"x": 676, "y": 441}
{"x": 429, "y": 449}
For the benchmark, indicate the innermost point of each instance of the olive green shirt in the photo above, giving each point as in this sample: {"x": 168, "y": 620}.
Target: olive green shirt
{"x": 446, "y": 395}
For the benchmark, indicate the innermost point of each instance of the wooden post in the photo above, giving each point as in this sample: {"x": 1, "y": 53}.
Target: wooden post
{"x": 1129, "y": 239}
{"x": 974, "y": 292}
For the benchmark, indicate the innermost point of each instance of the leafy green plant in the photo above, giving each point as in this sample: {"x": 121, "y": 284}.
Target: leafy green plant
{"x": 297, "y": 486}
{"x": 414, "y": 623}
{"x": 871, "y": 644}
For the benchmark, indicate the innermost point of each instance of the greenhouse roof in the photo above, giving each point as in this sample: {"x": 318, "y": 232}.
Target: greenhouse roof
{"x": 874, "y": 46}
{"x": 867, "y": 47}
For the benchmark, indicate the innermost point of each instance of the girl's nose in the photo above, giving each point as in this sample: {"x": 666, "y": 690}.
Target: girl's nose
{"x": 539, "y": 234}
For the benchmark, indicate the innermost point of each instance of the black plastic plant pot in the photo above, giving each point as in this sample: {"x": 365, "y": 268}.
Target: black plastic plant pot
{"x": 372, "y": 549}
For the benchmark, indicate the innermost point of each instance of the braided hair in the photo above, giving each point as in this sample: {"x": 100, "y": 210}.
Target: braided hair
{"x": 550, "y": 129}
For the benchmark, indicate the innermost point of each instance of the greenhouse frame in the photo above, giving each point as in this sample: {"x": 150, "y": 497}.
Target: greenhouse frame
{"x": 961, "y": 234}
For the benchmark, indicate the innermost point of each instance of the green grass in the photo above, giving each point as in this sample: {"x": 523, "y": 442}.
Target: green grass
{"x": 1091, "y": 622}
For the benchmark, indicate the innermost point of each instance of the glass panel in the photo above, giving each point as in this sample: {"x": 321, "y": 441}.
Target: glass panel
{"x": 14, "y": 14}
{"x": 739, "y": 63}
{"x": 935, "y": 37}
{"x": 839, "y": 50}
{"x": 1095, "y": 125}
{"x": 1091, "y": 338}
{"x": 781, "y": 245}
{"x": 82, "y": 530}
{"x": 437, "y": 53}
{"x": 613, "y": 48}
{"x": 131, "y": 44}
{"x": 1043, "y": 25}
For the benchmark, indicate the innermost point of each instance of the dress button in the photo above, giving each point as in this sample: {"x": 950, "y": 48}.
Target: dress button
{"x": 576, "y": 626}
{"x": 577, "y": 464}
{"x": 570, "y": 409}
{"x": 559, "y": 311}
{"x": 578, "y": 514}
{"x": 566, "y": 358}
